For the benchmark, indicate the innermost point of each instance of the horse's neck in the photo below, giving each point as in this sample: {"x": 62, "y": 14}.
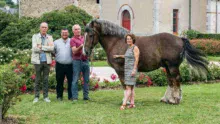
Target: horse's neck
{"x": 110, "y": 43}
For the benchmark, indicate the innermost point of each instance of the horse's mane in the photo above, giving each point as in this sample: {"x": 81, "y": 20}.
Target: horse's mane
{"x": 110, "y": 28}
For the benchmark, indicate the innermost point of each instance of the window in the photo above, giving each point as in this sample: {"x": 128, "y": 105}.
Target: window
{"x": 175, "y": 21}
{"x": 97, "y": 1}
{"x": 126, "y": 19}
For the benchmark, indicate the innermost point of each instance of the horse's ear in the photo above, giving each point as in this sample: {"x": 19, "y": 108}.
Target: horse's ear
{"x": 93, "y": 22}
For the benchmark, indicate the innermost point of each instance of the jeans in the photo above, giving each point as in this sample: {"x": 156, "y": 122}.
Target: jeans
{"x": 78, "y": 67}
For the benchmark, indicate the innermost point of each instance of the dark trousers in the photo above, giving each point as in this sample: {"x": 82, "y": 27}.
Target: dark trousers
{"x": 42, "y": 72}
{"x": 63, "y": 70}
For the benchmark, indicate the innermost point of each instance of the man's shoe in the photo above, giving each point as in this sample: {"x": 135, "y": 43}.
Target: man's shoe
{"x": 86, "y": 98}
{"x": 74, "y": 100}
{"x": 36, "y": 100}
{"x": 47, "y": 100}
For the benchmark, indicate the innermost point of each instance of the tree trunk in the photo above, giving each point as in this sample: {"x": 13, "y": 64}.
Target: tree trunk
{"x": 1, "y": 114}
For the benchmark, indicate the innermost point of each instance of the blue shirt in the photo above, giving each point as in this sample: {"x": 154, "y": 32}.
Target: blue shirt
{"x": 43, "y": 57}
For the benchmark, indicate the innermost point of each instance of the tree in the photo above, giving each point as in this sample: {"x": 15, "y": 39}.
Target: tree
{"x": 10, "y": 2}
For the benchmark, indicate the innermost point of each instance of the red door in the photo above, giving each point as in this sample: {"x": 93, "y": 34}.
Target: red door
{"x": 126, "y": 20}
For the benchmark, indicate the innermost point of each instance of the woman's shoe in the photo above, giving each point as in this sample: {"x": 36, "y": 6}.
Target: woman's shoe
{"x": 131, "y": 106}
{"x": 122, "y": 107}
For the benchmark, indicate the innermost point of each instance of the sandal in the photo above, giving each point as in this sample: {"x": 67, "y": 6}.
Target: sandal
{"x": 122, "y": 107}
{"x": 131, "y": 106}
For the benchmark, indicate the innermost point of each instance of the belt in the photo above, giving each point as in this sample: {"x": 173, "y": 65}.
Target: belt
{"x": 43, "y": 62}
{"x": 63, "y": 64}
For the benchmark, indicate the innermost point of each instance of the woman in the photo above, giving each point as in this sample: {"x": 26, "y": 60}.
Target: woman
{"x": 131, "y": 65}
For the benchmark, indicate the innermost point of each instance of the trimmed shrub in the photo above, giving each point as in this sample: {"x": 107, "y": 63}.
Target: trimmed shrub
{"x": 188, "y": 74}
{"x": 209, "y": 47}
{"x": 208, "y": 36}
{"x": 193, "y": 34}
{"x": 190, "y": 34}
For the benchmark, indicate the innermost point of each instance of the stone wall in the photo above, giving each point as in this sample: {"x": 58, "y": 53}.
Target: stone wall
{"x": 35, "y": 8}
{"x": 90, "y": 6}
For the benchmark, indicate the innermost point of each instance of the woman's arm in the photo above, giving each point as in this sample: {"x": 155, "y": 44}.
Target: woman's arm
{"x": 118, "y": 56}
{"x": 136, "y": 56}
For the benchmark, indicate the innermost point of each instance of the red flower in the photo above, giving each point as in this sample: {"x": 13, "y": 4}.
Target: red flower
{"x": 53, "y": 63}
{"x": 16, "y": 70}
{"x": 19, "y": 66}
{"x": 26, "y": 64}
{"x": 164, "y": 70}
{"x": 23, "y": 88}
{"x": 141, "y": 76}
{"x": 33, "y": 77}
{"x": 113, "y": 77}
{"x": 149, "y": 82}
{"x": 96, "y": 85}
{"x": 106, "y": 81}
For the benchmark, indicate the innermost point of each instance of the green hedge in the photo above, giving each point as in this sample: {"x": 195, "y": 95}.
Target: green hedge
{"x": 2, "y": 3}
{"x": 193, "y": 34}
{"x": 208, "y": 46}
{"x": 17, "y": 34}
{"x": 208, "y": 36}
{"x": 188, "y": 74}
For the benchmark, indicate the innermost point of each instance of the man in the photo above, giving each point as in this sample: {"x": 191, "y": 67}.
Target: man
{"x": 80, "y": 64}
{"x": 42, "y": 47}
{"x": 63, "y": 54}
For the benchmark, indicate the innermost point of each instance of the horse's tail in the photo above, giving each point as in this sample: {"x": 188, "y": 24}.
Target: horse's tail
{"x": 194, "y": 56}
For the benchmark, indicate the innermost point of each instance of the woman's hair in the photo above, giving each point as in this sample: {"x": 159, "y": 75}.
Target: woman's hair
{"x": 132, "y": 37}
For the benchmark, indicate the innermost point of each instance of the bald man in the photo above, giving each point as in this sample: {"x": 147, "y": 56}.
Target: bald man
{"x": 42, "y": 47}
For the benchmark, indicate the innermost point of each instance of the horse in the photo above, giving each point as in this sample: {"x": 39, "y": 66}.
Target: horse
{"x": 159, "y": 50}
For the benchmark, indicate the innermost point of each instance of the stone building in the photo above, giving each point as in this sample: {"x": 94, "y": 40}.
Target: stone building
{"x": 35, "y": 8}
{"x": 146, "y": 17}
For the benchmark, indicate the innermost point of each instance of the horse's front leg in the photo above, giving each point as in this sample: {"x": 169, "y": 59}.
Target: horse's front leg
{"x": 173, "y": 94}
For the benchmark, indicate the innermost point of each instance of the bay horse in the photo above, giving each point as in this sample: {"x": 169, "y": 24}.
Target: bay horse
{"x": 159, "y": 50}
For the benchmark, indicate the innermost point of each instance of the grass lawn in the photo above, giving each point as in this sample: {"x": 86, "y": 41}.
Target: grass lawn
{"x": 101, "y": 63}
{"x": 214, "y": 58}
{"x": 200, "y": 105}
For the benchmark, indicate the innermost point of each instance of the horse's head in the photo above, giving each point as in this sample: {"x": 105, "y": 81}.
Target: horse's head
{"x": 92, "y": 37}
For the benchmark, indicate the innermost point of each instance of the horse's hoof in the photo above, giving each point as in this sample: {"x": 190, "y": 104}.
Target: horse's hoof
{"x": 174, "y": 101}
{"x": 164, "y": 100}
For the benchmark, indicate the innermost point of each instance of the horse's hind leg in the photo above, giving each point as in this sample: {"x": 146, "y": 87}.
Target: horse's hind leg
{"x": 173, "y": 93}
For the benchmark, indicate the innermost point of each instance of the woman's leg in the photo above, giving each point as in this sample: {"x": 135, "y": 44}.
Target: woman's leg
{"x": 132, "y": 95}
{"x": 129, "y": 98}
{"x": 127, "y": 95}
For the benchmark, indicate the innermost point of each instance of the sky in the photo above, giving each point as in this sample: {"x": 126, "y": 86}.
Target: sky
{"x": 15, "y": 1}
